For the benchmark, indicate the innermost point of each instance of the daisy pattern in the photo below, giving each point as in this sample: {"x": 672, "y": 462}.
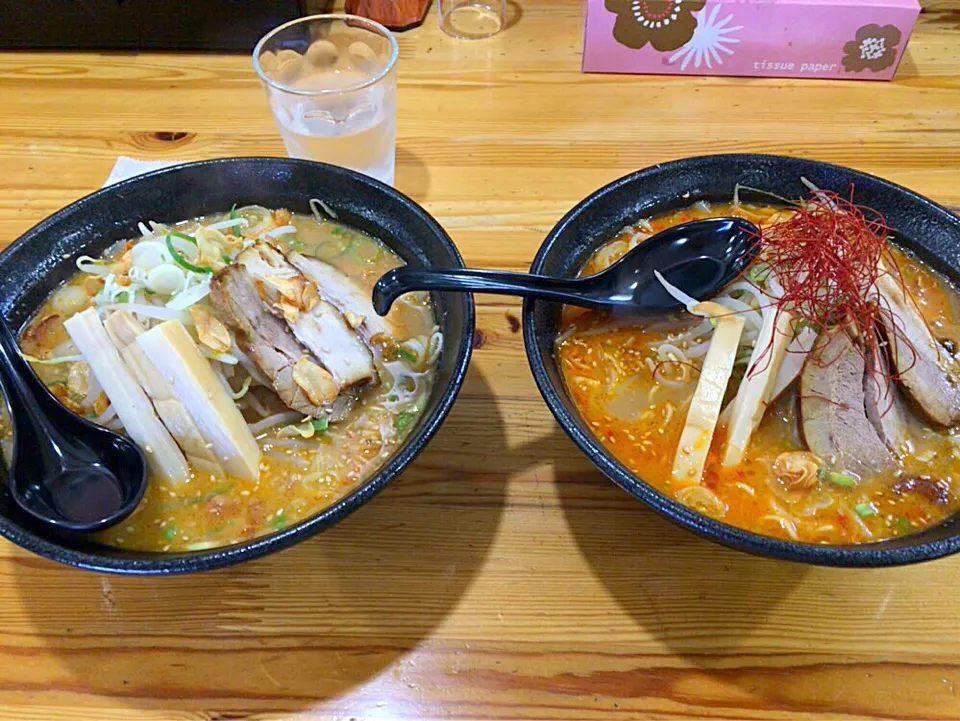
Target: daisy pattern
{"x": 709, "y": 40}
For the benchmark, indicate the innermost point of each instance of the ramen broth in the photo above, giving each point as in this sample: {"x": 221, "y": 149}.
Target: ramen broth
{"x": 306, "y": 464}
{"x": 633, "y": 382}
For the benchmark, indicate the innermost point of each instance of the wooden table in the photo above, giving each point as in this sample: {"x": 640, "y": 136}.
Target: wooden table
{"x": 502, "y": 576}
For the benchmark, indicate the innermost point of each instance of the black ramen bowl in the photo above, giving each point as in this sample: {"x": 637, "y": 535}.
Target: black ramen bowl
{"x": 927, "y": 229}
{"x": 44, "y": 257}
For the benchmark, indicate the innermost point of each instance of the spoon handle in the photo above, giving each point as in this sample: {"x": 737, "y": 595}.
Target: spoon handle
{"x": 398, "y": 281}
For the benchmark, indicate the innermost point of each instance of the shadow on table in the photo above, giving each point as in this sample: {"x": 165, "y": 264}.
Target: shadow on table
{"x": 292, "y": 631}
{"x": 412, "y": 175}
{"x": 694, "y": 596}
{"x": 514, "y": 14}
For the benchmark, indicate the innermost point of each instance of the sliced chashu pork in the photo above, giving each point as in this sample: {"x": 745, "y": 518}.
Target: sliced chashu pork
{"x": 317, "y": 324}
{"x": 835, "y": 424}
{"x": 927, "y": 373}
{"x": 345, "y": 294}
{"x": 882, "y": 402}
{"x": 298, "y": 379}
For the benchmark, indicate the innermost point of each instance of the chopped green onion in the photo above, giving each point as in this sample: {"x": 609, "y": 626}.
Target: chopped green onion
{"x": 148, "y": 291}
{"x": 337, "y": 230}
{"x": 901, "y": 524}
{"x": 403, "y": 420}
{"x": 183, "y": 262}
{"x": 758, "y": 272}
{"x": 374, "y": 255}
{"x": 169, "y": 532}
{"x": 865, "y": 510}
{"x": 53, "y": 361}
{"x": 233, "y": 216}
{"x": 183, "y": 236}
{"x": 295, "y": 243}
{"x": 842, "y": 479}
{"x": 226, "y": 259}
{"x": 342, "y": 248}
{"x": 200, "y": 545}
{"x": 320, "y": 424}
{"x": 279, "y": 521}
{"x": 407, "y": 355}
{"x": 223, "y": 526}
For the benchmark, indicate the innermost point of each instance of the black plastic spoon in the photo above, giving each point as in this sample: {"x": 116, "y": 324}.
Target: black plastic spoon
{"x": 698, "y": 257}
{"x": 64, "y": 470}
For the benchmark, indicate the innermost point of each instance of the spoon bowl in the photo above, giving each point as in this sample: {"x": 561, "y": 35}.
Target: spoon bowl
{"x": 65, "y": 471}
{"x": 698, "y": 257}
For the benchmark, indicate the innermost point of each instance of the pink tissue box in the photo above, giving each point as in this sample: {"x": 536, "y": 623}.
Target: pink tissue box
{"x": 844, "y": 39}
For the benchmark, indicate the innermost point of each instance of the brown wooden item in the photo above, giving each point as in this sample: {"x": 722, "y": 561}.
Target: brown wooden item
{"x": 394, "y": 14}
{"x": 501, "y": 577}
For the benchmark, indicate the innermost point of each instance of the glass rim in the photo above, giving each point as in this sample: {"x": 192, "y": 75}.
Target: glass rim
{"x": 329, "y": 17}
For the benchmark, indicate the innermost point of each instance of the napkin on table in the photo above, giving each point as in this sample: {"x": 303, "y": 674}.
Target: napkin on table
{"x": 129, "y": 167}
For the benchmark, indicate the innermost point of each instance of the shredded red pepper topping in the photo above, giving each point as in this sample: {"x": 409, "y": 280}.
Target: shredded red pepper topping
{"x": 827, "y": 258}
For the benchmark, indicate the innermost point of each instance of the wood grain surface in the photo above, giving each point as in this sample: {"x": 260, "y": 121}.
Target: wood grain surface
{"x": 501, "y": 577}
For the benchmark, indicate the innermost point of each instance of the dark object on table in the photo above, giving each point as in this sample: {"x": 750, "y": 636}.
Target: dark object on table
{"x": 922, "y": 227}
{"x": 45, "y": 256}
{"x": 395, "y": 14}
{"x": 698, "y": 257}
{"x": 64, "y": 470}
{"x": 215, "y": 25}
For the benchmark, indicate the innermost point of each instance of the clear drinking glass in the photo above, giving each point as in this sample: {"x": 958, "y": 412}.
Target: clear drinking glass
{"x": 332, "y": 86}
{"x": 472, "y": 19}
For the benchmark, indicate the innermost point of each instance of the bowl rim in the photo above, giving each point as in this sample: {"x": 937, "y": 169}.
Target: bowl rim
{"x": 196, "y": 561}
{"x": 865, "y": 555}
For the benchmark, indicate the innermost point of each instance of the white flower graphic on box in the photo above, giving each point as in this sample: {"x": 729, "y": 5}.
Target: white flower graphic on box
{"x": 872, "y": 48}
{"x": 711, "y": 38}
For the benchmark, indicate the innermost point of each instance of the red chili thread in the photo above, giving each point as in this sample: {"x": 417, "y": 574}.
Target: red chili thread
{"x": 827, "y": 258}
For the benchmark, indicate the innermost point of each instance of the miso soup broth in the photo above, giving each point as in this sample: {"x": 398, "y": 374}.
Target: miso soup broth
{"x": 832, "y": 418}
{"x": 275, "y": 388}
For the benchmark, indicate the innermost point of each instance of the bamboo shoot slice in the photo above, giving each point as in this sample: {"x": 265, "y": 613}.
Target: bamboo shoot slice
{"x": 193, "y": 382}
{"x": 124, "y": 329}
{"x": 791, "y": 366}
{"x": 754, "y": 393}
{"x": 793, "y": 360}
{"x": 134, "y": 409}
{"x": 701, "y": 421}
